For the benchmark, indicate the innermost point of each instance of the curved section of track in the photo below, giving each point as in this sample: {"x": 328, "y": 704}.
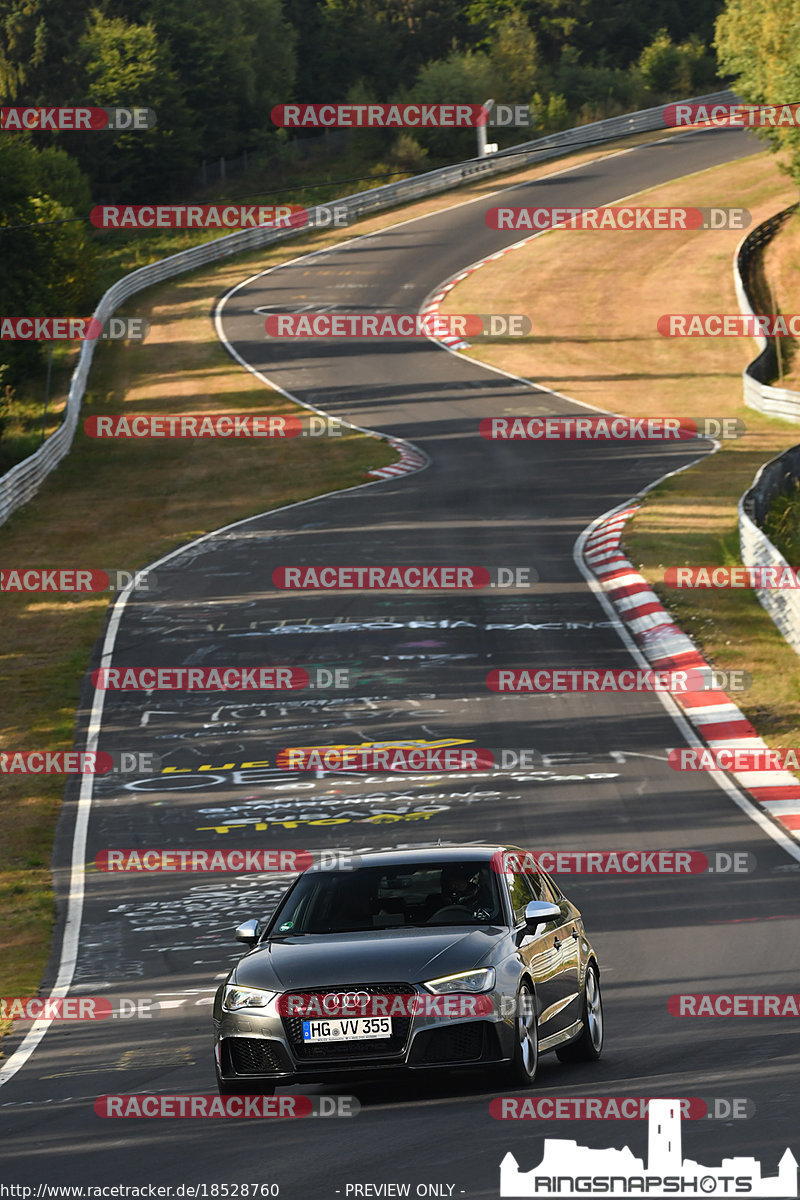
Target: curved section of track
{"x": 418, "y": 665}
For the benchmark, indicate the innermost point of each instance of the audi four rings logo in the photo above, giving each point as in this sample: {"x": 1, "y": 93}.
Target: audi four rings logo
{"x": 345, "y": 1000}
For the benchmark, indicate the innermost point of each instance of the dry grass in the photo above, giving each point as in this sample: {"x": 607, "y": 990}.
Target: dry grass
{"x": 594, "y": 298}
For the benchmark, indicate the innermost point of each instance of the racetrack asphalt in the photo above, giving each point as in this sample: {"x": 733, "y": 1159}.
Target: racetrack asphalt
{"x": 418, "y": 664}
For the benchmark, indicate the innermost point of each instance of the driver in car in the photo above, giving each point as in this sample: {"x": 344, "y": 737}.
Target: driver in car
{"x": 462, "y": 888}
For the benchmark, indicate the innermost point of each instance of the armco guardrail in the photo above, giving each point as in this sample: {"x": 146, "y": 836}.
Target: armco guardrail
{"x": 775, "y": 477}
{"x": 22, "y": 482}
{"x": 758, "y": 393}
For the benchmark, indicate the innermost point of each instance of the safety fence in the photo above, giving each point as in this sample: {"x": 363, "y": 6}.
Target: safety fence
{"x": 22, "y": 482}
{"x": 750, "y": 290}
{"x": 777, "y": 477}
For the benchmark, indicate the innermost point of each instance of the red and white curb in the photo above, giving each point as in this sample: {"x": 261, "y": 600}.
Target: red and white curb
{"x": 452, "y": 340}
{"x": 411, "y": 459}
{"x": 714, "y": 716}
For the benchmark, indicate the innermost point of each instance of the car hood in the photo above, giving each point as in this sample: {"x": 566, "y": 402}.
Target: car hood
{"x": 399, "y": 956}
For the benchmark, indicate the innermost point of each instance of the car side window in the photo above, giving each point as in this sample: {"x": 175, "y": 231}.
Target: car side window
{"x": 520, "y": 892}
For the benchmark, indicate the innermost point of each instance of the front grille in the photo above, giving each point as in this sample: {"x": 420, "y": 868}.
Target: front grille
{"x": 252, "y": 1056}
{"x": 364, "y": 1048}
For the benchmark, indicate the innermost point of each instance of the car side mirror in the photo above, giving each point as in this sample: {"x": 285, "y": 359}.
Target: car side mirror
{"x": 248, "y": 932}
{"x": 540, "y": 912}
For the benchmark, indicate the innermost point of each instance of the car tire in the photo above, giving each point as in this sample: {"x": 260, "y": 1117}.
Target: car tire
{"x": 521, "y": 1071}
{"x": 228, "y": 1087}
{"x": 589, "y": 1045}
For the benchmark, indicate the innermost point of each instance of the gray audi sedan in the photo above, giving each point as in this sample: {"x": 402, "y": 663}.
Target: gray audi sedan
{"x": 412, "y": 960}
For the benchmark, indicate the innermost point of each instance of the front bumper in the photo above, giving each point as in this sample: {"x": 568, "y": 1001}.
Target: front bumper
{"x": 266, "y": 1046}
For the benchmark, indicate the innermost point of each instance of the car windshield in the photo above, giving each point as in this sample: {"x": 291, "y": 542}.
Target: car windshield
{"x": 373, "y": 897}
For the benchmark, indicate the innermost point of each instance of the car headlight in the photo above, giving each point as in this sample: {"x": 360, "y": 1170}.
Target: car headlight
{"x": 235, "y": 998}
{"x": 481, "y": 980}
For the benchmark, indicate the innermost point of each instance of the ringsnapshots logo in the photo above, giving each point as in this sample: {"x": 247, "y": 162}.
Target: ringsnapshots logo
{"x": 630, "y": 219}
{"x": 726, "y": 116}
{"x": 397, "y": 325}
{"x": 401, "y": 578}
{"x": 55, "y": 120}
{"x": 198, "y": 216}
{"x": 606, "y": 428}
{"x": 631, "y": 679}
{"x": 75, "y": 580}
{"x": 570, "y": 1170}
{"x": 401, "y": 116}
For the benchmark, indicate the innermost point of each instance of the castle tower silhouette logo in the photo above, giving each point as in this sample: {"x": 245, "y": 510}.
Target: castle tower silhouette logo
{"x": 568, "y": 1169}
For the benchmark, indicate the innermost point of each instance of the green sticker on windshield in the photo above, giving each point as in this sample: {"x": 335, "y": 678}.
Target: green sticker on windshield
{"x": 286, "y": 925}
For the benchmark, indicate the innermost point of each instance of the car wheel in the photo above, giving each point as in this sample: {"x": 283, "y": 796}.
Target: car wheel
{"x": 227, "y": 1087}
{"x": 589, "y": 1046}
{"x": 523, "y": 1065}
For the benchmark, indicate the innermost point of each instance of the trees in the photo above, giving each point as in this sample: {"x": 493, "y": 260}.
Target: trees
{"x": 47, "y": 260}
{"x": 758, "y": 43}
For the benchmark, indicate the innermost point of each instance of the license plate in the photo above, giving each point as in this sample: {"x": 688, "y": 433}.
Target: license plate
{"x": 341, "y": 1029}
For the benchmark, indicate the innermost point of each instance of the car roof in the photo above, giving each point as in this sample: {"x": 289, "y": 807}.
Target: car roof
{"x": 433, "y": 854}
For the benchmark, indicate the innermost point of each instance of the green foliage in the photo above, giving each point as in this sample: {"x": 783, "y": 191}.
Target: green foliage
{"x": 666, "y": 69}
{"x": 127, "y": 64}
{"x": 48, "y": 264}
{"x": 465, "y": 77}
{"x": 552, "y": 114}
{"x": 660, "y": 63}
{"x": 514, "y": 59}
{"x": 758, "y": 43}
